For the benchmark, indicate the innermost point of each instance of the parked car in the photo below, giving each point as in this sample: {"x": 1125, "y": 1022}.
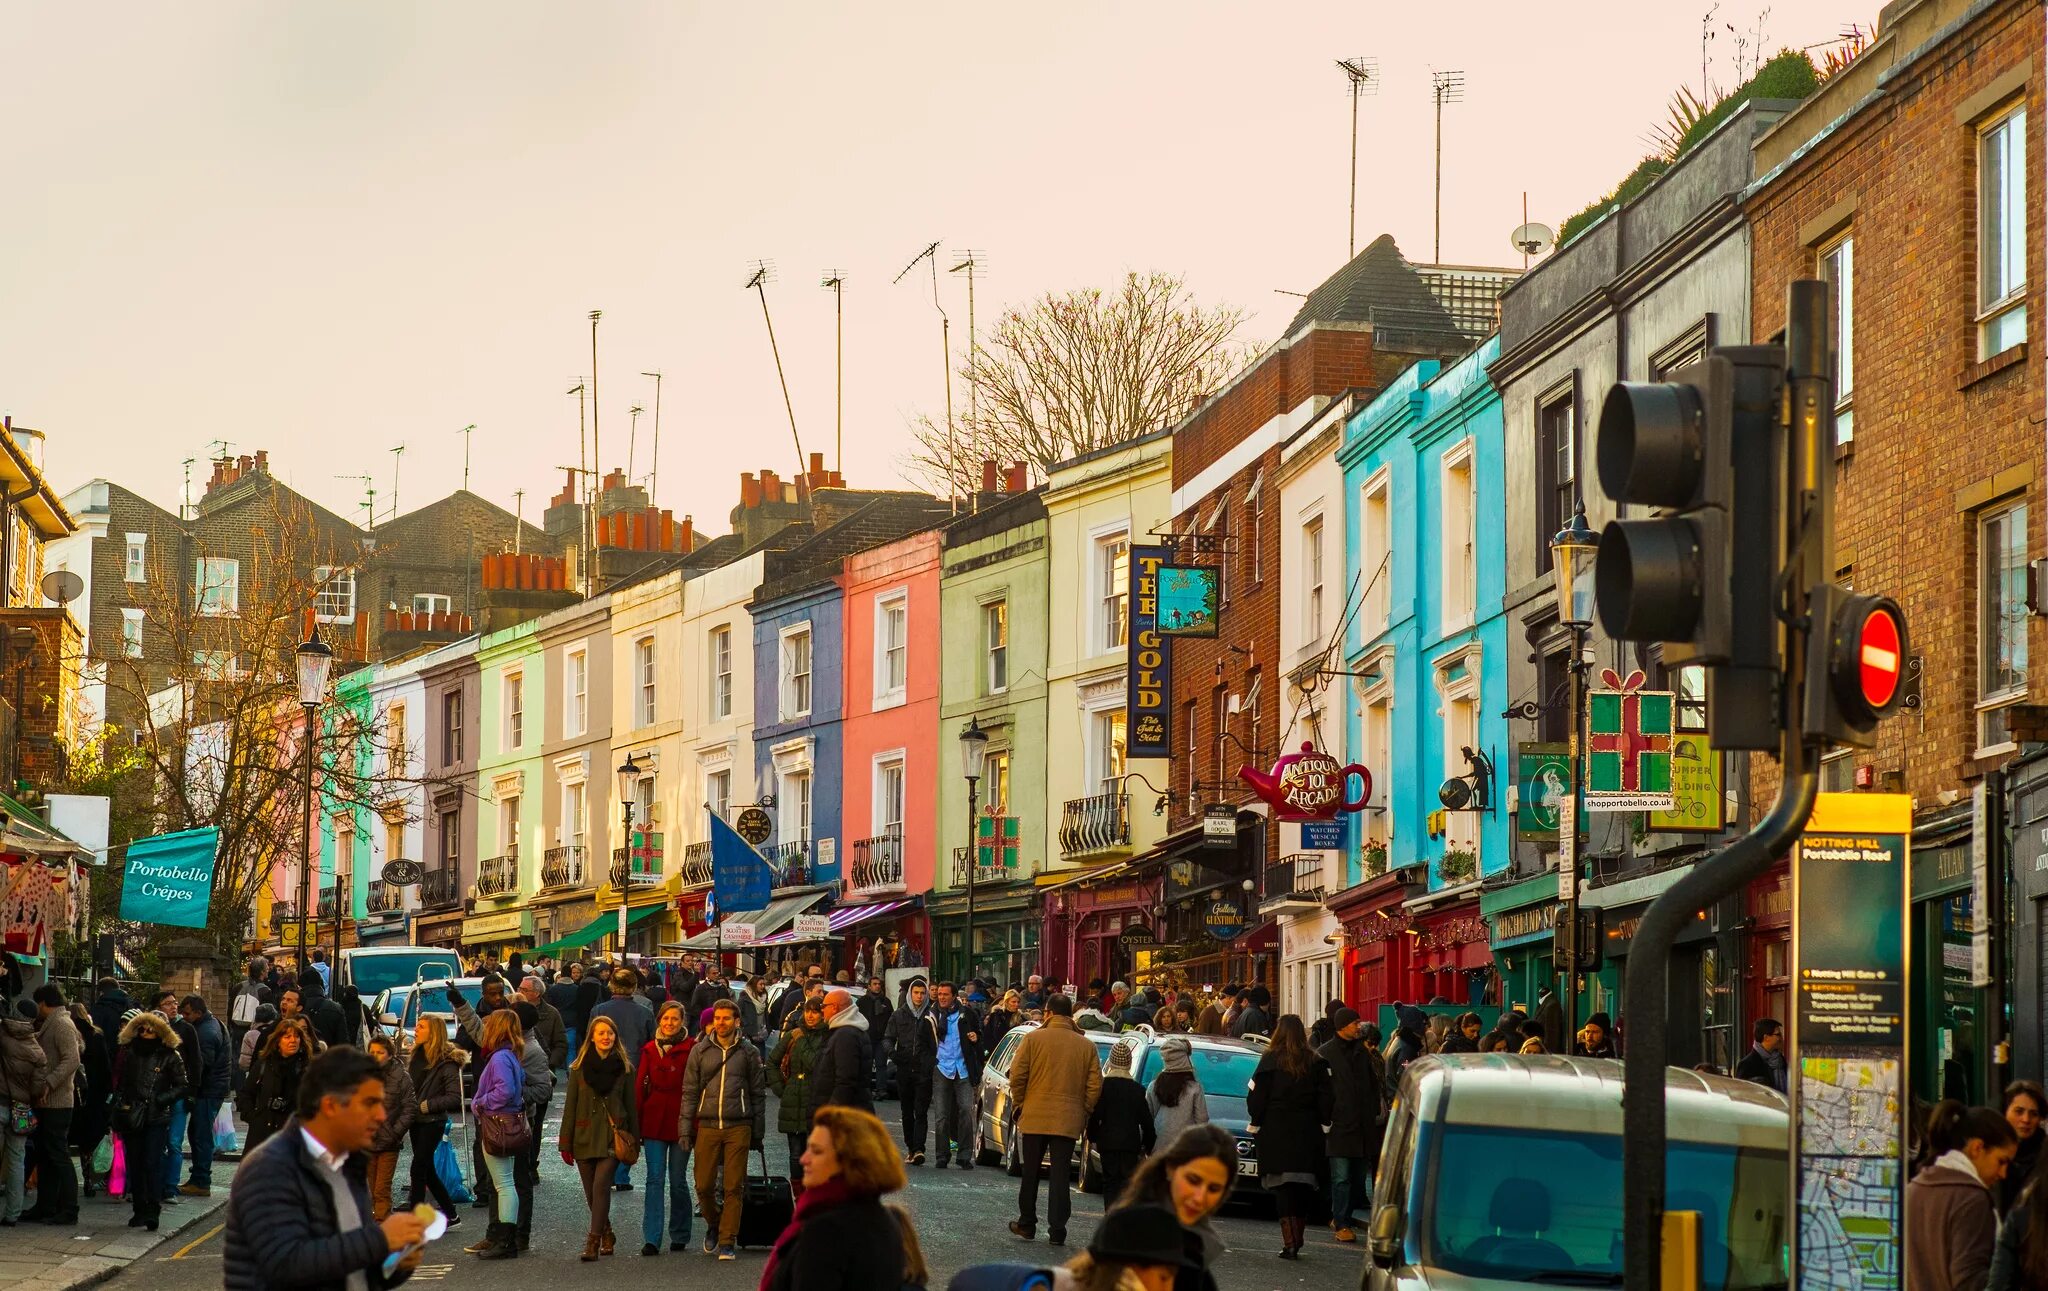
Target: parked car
{"x": 1517, "y": 1180}
{"x": 398, "y": 1008}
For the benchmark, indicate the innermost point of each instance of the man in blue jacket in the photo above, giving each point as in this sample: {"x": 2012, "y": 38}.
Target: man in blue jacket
{"x": 215, "y": 1072}
{"x": 295, "y": 1217}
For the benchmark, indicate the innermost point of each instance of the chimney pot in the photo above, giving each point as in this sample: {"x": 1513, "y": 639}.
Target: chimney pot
{"x": 988, "y": 475}
{"x": 750, "y": 490}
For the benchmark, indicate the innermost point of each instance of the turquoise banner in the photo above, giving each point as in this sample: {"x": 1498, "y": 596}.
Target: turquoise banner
{"x": 169, "y": 878}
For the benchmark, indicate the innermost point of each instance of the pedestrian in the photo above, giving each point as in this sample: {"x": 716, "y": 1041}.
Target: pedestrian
{"x": 1055, "y": 1080}
{"x": 912, "y": 1044}
{"x": 399, "y": 1112}
{"x": 1951, "y": 1210}
{"x": 1357, "y": 1102}
{"x": 561, "y": 995}
{"x": 1464, "y": 1036}
{"x": 842, "y": 1071}
{"x": 2026, "y": 1104}
{"x": 1190, "y": 1175}
{"x": 1324, "y": 1030}
{"x": 272, "y": 1090}
{"x": 956, "y": 1075}
{"x": 1005, "y": 1013}
{"x": 537, "y": 1091}
{"x": 166, "y": 1005}
{"x": 21, "y": 1082}
{"x": 1289, "y": 1103}
{"x": 723, "y": 1113}
{"x": 658, "y": 1107}
{"x": 709, "y": 990}
{"x": 1406, "y": 1046}
{"x": 632, "y": 1021}
{"x": 110, "y": 1007}
{"x": 149, "y": 1083}
{"x": 1175, "y": 1096}
{"x": 1091, "y": 1017}
{"x": 754, "y": 1011}
{"x": 210, "y": 1089}
{"x": 252, "y": 1040}
{"x": 2019, "y": 1262}
{"x": 56, "y": 1184}
{"x": 89, "y": 1118}
{"x": 322, "y": 1013}
{"x": 874, "y": 1006}
{"x": 243, "y": 1002}
{"x": 1596, "y": 1038}
{"x": 501, "y": 1093}
{"x": 841, "y": 1238}
{"x": 436, "y": 1072}
{"x": 295, "y": 1216}
{"x": 600, "y": 1125}
{"x": 1764, "y": 1064}
{"x": 1120, "y": 1127}
{"x": 548, "y": 1029}
{"x": 1255, "y": 1018}
{"x": 321, "y": 968}
{"x": 790, "y": 1067}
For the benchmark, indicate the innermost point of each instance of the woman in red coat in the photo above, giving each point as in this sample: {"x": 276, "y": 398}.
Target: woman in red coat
{"x": 659, "y": 1092}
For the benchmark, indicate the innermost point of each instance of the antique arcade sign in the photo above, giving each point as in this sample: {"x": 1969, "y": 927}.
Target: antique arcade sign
{"x": 1309, "y": 785}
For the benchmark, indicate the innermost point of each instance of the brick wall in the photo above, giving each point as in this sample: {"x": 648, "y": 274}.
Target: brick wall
{"x": 1938, "y": 436}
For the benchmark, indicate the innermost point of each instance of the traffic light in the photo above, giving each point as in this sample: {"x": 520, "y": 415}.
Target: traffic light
{"x": 1700, "y": 576}
{"x": 1855, "y": 666}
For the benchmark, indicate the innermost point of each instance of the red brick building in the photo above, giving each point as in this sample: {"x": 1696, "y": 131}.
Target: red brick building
{"x": 1911, "y": 180}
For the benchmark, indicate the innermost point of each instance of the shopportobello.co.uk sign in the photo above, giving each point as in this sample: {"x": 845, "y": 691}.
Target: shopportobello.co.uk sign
{"x": 169, "y": 878}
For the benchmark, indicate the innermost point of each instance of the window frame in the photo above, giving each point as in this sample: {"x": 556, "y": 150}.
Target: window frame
{"x": 718, "y": 791}
{"x": 1460, "y": 551}
{"x": 1376, "y": 550}
{"x": 1994, "y": 316}
{"x": 451, "y": 726}
{"x": 1835, "y": 264}
{"x": 227, "y": 607}
{"x": 895, "y": 761}
{"x": 1108, "y": 749}
{"x": 890, "y": 692}
{"x": 1989, "y": 705}
{"x": 793, "y": 688}
{"x": 995, "y": 618}
{"x": 329, "y": 576}
{"x": 1112, "y": 600}
{"x": 720, "y": 649}
{"x": 135, "y": 559}
{"x": 646, "y": 683}
{"x": 1558, "y": 436}
{"x": 1313, "y": 572}
{"x": 575, "y": 691}
{"x": 132, "y": 641}
{"x": 512, "y": 698}
{"x": 436, "y": 603}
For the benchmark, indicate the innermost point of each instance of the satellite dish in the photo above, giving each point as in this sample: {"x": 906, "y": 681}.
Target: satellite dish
{"x": 1532, "y": 239}
{"x": 62, "y": 586}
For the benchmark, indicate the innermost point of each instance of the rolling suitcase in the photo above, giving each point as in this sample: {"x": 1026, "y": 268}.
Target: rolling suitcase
{"x": 766, "y": 1207}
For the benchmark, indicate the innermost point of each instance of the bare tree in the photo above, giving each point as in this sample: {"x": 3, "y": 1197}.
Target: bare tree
{"x": 1081, "y": 370}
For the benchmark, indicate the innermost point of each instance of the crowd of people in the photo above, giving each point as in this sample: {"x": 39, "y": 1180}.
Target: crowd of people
{"x": 1976, "y": 1216}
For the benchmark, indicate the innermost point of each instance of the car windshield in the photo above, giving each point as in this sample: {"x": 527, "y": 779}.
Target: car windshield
{"x": 370, "y": 974}
{"x": 1545, "y": 1206}
{"x": 1223, "y": 1073}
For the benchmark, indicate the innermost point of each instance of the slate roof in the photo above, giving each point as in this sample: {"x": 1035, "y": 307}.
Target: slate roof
{"x": 1380, "y": 287}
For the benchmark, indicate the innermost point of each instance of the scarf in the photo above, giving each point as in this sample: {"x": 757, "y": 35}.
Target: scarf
{"x": 832, "y": 1192}
{"x": 1954, "y": 1159}
{"x": 601, "y": 1073}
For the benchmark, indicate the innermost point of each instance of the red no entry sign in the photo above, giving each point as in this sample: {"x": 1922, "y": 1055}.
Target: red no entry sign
{"x": 1878, "y": 656}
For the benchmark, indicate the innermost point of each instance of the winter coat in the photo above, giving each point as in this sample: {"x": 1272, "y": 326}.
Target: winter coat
{"x": 722, "y": 1088}
{"x": 539, "y": 1088}
{"x": 995, "y": 1024}
{"x": 874, "y": 1006}
{"x": 912, "y": 1042}
{"x": 853, "y": 1246}
{"x": 1192, "y": 1109}
{"x": 270, "y": 1096}
{"x": 1055, "y": 1080}
{"x": 188, "y": 1053}
{"x": 798, "y": 1050}
{"x": 702, "y": 996}
{"x": 561, "y": 996}
{"x": 753, "y": 1013}
{"x": 438, "y": 1087}
{"x": 21, "y": 1062}
{"x": 658, "y": 1088}
{"x": 1290, "y": 1112}
{"x": 1951, "y": 1228}
{"x": 968, "y": 1031}
{"x": 108, "y": 1010}
{"x": 633, "y": 1020}
{"x": 1253, "y": 1021}
{"x": 1357, "y": 1101}
{"x": 215, "y": 1076}
{"x": 2021, "y": 1171}
{"x": 324, "y": 1015}
{"x": 2005, "y": 1257}
{"x": 501, "y": 1085}
{"x": 400, "y": 1107}
{"x": 1407, "y": 1048}
{"x": 588, "y": 1118}
{"x": 1093, "y": 1019}
{"x": 552, "y": 1033}
{"x": 282, "y": 1229}
{"x": 589, "y": 994}
{"x": 1758, "y": 1069}
{"x": 61, "y": 1046}
{"x": 1457, "y": 1043}
{"x": 1121, "y": 1121}
{"x": 844, "y": 1065}
{"x": 150, "y": 1076}
{"x": 89, "y": 1121}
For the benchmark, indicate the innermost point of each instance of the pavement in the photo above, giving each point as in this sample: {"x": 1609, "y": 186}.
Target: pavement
{"x": 961, "y": 1218}
{"x": 45, "y": 1257}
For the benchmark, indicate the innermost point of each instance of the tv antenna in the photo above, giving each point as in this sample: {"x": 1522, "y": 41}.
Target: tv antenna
{"x": 1447, "y": 87}
{"x": 465, "y": 432}
{"x": 836, "y": 281}
{"x": 931, "y": 253}
{"x": 397, "y": 455}
{"x": 757, "y": 282}
{"x": 632, "y": 438}
{"x": 369, "y": 484}
{"x": 185, "y": 498}
{"x": 971, "y": 263}
{"x": 654, "y": 458}
{"x": 1363, "y": 76}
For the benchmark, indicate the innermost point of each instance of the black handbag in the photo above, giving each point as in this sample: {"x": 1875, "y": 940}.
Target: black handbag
{"x": 505, "y": 1134}
{"x": 767, "y": 1206}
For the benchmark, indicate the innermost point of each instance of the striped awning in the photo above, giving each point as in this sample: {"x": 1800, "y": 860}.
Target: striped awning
{"x": 842, "y": 918}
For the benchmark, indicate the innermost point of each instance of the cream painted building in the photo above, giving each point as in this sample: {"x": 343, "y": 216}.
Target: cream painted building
{"x": 715, "y": 684}
{"x": 647, "y": 724}
{"x": 1097, "y": 506}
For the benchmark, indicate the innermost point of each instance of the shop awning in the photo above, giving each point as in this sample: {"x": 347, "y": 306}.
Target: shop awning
{"x": 1259, "y": 940}
{"x": 780, "y": 913}
{"x": 24, "y": 834}
{"x": 840, "y": 920}
{"x": 602, "y": 926}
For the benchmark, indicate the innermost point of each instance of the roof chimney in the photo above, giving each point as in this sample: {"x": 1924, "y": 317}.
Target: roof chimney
{"x": 988, "y": 475}
{"x": 1017, "y": 478}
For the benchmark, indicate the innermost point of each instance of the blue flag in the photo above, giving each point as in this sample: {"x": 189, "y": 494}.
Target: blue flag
{"x": 740, "y": 877}
{"x": 169, "y": 878}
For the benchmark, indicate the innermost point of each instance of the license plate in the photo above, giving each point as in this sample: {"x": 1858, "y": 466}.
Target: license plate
{"x": 1248, "y": 1168}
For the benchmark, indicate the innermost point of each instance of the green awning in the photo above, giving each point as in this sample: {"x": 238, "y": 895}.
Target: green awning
{"x": 602, "y": 926}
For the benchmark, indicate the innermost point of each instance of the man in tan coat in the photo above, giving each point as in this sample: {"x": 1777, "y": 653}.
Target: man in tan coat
{"x": 1054, "y": 1082}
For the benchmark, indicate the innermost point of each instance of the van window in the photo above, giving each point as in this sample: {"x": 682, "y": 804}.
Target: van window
{"x": 1518, "y": 1204}
{"x": 371, "y": 972}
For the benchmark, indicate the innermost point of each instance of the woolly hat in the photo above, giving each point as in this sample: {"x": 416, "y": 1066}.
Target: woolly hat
{"x": 1120, "y": 1058}
{"x": 1173, "y": 1050}
{"x": 1343, "y": 1016}
{"x": 1602, "y": 1021}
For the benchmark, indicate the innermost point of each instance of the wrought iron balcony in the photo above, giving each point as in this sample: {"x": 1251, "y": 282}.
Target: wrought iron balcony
{"x": 562, "y": 867}
{"x": 982, "y": 873}
{"x": 281, "y": 916}
{"x": 877, "y": 868}
{"x": 697, "y": 864}
{"x": 325, "y": 907}
{"x": 439, "y": 888}
{"x": 791, "y": 862}
{"x": 640, "y": 865}
{"x": 1297, "y": 878}
{"x": 498, "y": 875}
{"x": 384, "y": 898}
{"x": 1098, "y": 824}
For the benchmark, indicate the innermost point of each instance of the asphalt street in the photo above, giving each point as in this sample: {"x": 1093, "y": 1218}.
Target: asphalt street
{"x": 961, "y": 1217}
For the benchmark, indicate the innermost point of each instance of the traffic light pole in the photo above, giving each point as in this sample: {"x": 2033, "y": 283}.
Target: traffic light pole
{"x": 1806, "y": 546}
{"x": 1571, "y": 857}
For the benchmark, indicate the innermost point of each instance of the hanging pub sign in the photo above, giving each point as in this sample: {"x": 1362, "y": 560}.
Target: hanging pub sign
{"x": 1543, "y": 779}
{"x": 1137, "y": 936}
{"x": 1148, "y": 689}
{"x": 1219, "y": 825}
{"x": 1309, "y": 785}
{"x": 1189, "y": 597}
{"x": 1224, "y": 919}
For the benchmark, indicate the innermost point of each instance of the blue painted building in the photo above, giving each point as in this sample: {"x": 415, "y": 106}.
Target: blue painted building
{"x": 1424, "y": 540}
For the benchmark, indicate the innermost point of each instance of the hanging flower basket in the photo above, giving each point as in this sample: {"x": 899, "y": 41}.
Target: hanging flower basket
{"x": 1374, "y": 858}
{"x": 1457, "y": 866}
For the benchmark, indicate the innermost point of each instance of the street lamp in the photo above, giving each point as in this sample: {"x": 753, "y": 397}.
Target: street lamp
{"x": 629, "y": 781}
{"x": 973, "y": 743}
{"x": 316, "y": 660}
{"x": 1572, "y": 554}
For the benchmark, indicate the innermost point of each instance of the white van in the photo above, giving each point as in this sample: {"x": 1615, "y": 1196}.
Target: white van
{"x": 1502, "y": 1171}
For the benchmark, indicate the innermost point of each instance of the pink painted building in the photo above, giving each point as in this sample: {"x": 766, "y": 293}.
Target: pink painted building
{"x": 890, "y": 750}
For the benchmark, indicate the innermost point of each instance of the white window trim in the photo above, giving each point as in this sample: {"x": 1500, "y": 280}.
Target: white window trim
{"x": 509, "y": 680}
{"x": 2017, "y": 297}
{"x": 885, "y": 695}
{"x": 1458, "y": 458}
{"x": 1098, "y": 588}
{"x": 2012, "y": 694}
{"x": 785, "y": 708}
{"x": 575, "y": 663}
{"x": 132, "y": 650}
{"x": 322, "y": 576}
{"x": 436, "y": 603}
{"x": 878, "y": 823}
{"x": 731, "y": 673}
{"x": 135, "y": 559}
{"x": 1463, "y": 829}
{"x": 1377, "y": 612}
{"x": 1845, "y": 399}
{"x": 233, "y": 567}
{"x": 988, "y": 653}
{"x": 645, "y": 714}
{"x": 1314, "y": 625}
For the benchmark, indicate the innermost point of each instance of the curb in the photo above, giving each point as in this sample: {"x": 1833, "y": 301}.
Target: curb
{"x": 101, "y": 1266}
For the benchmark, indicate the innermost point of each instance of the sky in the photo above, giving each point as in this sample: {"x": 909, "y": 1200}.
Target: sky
{"x": 329, "y": 230}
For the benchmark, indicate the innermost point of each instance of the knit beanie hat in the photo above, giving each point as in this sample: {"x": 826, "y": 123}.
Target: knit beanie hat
{"x": 1120, "y": 1058}
{"x": 1174, "y": 1050}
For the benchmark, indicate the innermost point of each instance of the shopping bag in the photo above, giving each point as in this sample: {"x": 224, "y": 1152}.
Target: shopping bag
{"x": 117, "y": 1172}
{"x": 225, "y": 1137}
{"x": 448, "y": 1164}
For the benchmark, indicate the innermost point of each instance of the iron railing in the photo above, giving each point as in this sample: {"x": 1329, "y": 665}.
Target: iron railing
{"x": 877, "y": 867}
{"x": 1295, "y": 878}
{"x": 697, "y": 864}
{"x": 791, "y": 862}
{"x": 1098, "y": 824}
{"x": 385, "y": 897}
{"x": 439, "y": 888}
{"x": 641, "y": 870}
{"x": 497, "y": 875}
{"x": 562, "y": 867}
{"x": 982, "y": 873}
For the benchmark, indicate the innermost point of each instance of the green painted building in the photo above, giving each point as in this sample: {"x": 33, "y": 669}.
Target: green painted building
{"x": 509, "y": 785}
{"x": 993, "y": 605}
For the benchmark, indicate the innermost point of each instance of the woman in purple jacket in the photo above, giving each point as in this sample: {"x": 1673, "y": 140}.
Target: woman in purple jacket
{"x": 501, "y": 1087}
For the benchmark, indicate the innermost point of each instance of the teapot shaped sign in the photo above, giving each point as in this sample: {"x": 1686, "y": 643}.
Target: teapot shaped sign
{"x": 1309, "y": 785}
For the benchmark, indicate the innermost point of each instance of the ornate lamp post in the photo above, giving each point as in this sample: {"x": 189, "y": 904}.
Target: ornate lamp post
{"x": 316, "y": 660}
{"x": 1572, "y": 553}
{"x": 973, "y": 742}
{"x": 629, "y": 781}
